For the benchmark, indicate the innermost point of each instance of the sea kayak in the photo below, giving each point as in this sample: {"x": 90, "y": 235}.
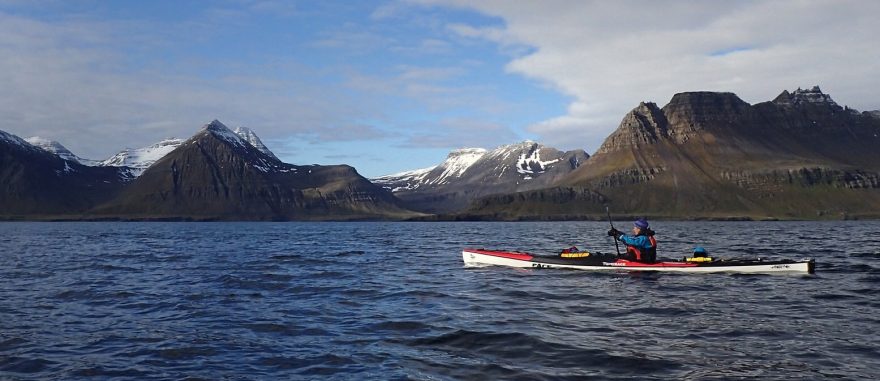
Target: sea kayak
{"x": 609, "y": 262}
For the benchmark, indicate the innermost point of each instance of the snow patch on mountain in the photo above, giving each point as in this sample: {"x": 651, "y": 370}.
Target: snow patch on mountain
{"x": 220, "y": 130}
{"x": 530, "y": 163}
{"x": 139, "y": 159}
{"x": 410, "y": 180}
{"x": 15, "y": 140}
{"x": 801, "y": 96}
{"x": 249, "y": 136}
{"x": 58, "y": 149}
{"x": 457, "y": 163}
{"x": 508, "y": 165}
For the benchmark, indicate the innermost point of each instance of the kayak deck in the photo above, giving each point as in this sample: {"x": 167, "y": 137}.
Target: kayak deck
{"x": 609, "y": 262}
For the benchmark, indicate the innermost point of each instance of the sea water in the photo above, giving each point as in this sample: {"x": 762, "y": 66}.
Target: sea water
{"x": 388, "y": 301}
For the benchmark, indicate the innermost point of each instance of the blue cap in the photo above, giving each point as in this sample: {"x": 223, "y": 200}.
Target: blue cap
{"x": 641, "y": 223}
{"x": 699, "y": 250}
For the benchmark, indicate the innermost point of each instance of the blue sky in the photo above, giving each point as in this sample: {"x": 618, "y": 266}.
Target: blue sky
{"x": 387, "y": 86}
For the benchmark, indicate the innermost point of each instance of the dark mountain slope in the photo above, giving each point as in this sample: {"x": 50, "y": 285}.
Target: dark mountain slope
{"x": 37, "y": 183}
{"x": 218, "y": 175}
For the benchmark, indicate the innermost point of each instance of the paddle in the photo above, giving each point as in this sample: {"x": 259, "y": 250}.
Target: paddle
{"x": 616, "y": 245}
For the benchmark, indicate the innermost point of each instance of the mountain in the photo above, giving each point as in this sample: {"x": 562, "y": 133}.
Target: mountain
{"x": 139, "y": 159}
{"x": 56, "y": 148}
{"x": 39, "y": 183}
{"x": 249, "y": 136}
{"x": 219, "y": 175}
{"x": 470, "y": 173}
{"x": 712, "y": 155}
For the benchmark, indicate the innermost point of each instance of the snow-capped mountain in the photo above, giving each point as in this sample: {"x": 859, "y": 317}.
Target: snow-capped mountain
{"x": 456, "y": 163}
{"x": 37, "y": 182}
{"x": 800, "y": 96}
{"x": 16, "y": 141}
{"x": 219, "y": 174}
{"x": 133, "y": 161}
{"x": 139, "y": 159}
{"x": 249, "y": 136}
{"x": 474, "y": 172}
{"x": 57, "y": 148}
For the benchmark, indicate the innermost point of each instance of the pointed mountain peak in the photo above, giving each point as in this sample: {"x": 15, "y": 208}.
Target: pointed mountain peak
{"x": 15, "y": 140}
{"x": 54, "y": 147}
{"x": 244, "y": 132}
{"x": 800, "y": 96}
{"x": 219, "y": 130}
{"x": 644, "y": 124}
{"x": 649, "y": 113}
{"x": 216, "y": 126}
{"x": 251, "y": 137}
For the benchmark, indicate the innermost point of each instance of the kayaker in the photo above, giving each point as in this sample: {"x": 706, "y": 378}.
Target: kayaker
{"x": 641, "y": 246}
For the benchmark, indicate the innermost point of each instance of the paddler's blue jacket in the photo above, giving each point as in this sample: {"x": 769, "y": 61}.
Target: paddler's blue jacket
{"x": 640, "y": 248}
{"x": 641, "y": 242}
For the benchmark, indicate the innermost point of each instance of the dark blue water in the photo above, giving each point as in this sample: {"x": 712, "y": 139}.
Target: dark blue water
{"x": 348, "y": 301}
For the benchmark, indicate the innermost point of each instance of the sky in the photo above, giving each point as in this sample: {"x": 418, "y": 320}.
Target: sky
{"x": 388, "y": 86}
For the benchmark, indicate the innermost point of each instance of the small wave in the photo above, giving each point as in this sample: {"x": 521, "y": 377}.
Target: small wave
{"x": 322, "y": 365}
{"x": 520, "y": 348}
{"x": 350, "y": 252}
{"x": 16, "y": 364}
{"x": 286, "y": 329}
{"x": 656, "y": 311}
{"x": 75, "y": 295}
{"x": 286, "y": 257}
{"x": 236, "y": 282}
{"x": 11, "y": 343}
{"x": 833, "y": 296}
{"x": 407, "y": 326}
{"x": 109, "y": 268}
{"x": 183, "y": 353}
{"x": 277, "y": 277}
{"x": 103, "y": 372}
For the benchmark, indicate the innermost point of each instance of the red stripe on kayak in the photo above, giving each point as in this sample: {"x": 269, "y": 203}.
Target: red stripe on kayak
{"x": 502, "y": 254}
{"x": 625, "y": 263}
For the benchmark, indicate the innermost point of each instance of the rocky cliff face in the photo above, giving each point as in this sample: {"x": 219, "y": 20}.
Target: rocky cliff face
{"x": 713, "y": 155}
{"x": 217, "y": 174}
{"x": 470, "y": 173}
{"x": 645, "y": 124}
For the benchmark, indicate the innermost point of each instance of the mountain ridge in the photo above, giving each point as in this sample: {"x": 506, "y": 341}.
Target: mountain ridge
{"x": 712, "y": 155}
{"x": 470, "y": 173}
{"x": 219, "y": 175}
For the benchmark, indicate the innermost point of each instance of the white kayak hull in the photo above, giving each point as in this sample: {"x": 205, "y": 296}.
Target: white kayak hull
{"x": 480, "y": 258}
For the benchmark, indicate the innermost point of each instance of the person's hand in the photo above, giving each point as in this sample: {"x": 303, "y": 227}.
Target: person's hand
{"x": 613, "y": 232}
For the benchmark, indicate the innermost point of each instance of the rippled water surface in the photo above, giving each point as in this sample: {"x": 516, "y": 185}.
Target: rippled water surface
{"x": 392, "y": 301}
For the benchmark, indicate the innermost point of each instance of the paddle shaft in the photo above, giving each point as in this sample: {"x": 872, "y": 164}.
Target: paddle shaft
{"x": 616, "y": 245}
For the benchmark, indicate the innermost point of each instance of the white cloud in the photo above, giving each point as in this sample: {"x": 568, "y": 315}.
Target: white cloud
{"x": 609, "y": 56}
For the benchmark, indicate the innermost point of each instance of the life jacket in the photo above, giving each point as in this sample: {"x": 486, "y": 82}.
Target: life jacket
{"x": 649, "y": 255}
